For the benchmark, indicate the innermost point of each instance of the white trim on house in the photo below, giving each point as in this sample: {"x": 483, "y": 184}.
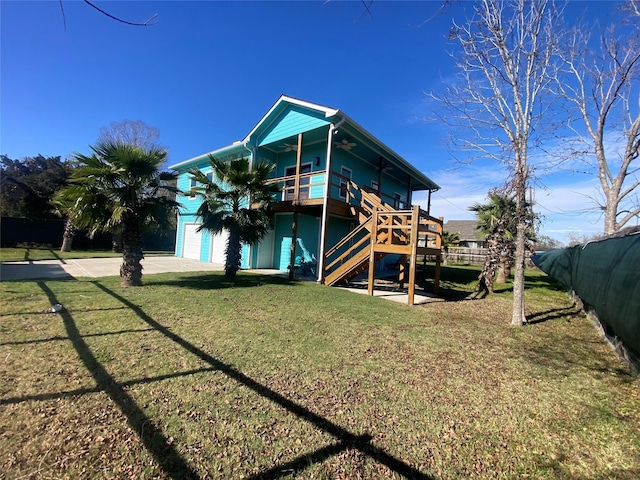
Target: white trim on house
{"x": 205, "y": 156}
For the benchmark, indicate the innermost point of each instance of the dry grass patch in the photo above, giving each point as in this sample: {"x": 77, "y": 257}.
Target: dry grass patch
{"x": 189, "y": 376}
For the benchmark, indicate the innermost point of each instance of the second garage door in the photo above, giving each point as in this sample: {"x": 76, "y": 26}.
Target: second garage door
{"x": 218, "y": 246}
{"x": 192, "y": 241}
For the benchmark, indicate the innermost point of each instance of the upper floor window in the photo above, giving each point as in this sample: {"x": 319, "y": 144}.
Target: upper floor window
{"x": 192, "y": 185}
{"x": 303, "y": 189}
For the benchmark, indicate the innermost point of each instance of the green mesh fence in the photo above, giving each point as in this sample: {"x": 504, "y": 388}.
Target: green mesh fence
{"x": 606, "y": 276}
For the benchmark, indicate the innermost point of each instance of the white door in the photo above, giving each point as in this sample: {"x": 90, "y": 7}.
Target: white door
{"x": 218, "y": 246}
{"x": 265, "y": 251}
{"x": 192, "y": 241}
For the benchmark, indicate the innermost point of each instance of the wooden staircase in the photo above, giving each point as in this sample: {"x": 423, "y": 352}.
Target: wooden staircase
{"x": 383, "y": 230}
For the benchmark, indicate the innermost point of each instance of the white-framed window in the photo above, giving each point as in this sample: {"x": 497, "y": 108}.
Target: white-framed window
{"x": 289, "y": 188}
{"x": 192, "y": 185}
{"x": 344, "y": 180}
{"x": 210, "y": 176}
{"x": 374, "y": 185}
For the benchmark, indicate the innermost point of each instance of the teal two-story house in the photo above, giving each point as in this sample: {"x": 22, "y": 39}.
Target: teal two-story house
{"x": 333, "y": 175}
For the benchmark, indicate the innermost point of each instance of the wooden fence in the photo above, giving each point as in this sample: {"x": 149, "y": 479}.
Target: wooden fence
{"x": 467, "y": 256}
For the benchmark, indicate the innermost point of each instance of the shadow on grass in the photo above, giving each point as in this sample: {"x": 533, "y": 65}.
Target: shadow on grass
{"x": 456, "y": 282}
{"x": 459, "y": 282}
{"x": 60, "y": 338}
{"x": 154, "y": 440}
{"x": 533, "y": 280}
{"x": 344, "y": 438}
{"x": 558, "y": 360}
{"x": 101, "y": 388}
{"x": 57, "y": 257}
{"x": 40, "y": 312}
{"x": 217, "y": 281}
{"x": 552, "y": 314}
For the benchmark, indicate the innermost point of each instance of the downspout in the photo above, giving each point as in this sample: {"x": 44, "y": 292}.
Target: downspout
{"x": 325, "y": 202}
{"x": 251, "y": 151}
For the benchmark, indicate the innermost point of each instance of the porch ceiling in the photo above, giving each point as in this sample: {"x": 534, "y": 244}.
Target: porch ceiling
{"x": 317, "y": 135}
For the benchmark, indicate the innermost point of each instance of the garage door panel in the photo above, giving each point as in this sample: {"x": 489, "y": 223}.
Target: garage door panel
{"x": 218, "y": 246}
{"x": 192, "y": 243}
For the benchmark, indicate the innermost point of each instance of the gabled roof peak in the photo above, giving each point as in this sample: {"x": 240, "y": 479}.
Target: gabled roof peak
{"x": 287, "y": 100}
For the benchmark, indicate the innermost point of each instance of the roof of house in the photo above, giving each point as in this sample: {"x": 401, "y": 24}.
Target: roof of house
{"x": 263, "y": 133}
{"x": 466, "y": 230}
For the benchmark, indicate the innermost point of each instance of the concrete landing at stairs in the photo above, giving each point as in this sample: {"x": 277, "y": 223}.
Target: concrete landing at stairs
{"x": 394, "y": 294}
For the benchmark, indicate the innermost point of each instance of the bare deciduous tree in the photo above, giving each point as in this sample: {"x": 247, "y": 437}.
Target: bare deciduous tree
{"x": 507, "y": 65}
{"x": 603, "y": 86}
{"x": 130, "y": 132}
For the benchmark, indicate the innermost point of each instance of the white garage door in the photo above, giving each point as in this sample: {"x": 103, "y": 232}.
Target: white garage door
{"x": 192, "y": 241}
{"x": 218, "y": 246}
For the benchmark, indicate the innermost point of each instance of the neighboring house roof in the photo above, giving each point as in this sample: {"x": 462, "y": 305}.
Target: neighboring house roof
{"x": 289, "y": 109}
{"x": 466, "y": 230}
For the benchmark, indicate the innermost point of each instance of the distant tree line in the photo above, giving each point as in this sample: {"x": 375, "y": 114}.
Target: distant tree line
{"x": 28, "y": 185}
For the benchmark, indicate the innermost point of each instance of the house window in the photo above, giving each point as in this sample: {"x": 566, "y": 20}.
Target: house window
{"x": 290, "y": 188}
{"x": 210, "y": 176}
{"x": 345, "y": 174}
{"x": 192, "y": 185}
{"x": 374, "y": 185}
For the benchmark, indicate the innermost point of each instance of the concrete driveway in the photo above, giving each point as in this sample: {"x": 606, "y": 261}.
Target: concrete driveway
{"x": 97, "y": 267}
{"x": 105, "y": 267}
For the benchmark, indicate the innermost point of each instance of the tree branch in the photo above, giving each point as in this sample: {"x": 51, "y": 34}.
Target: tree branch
{"x": 117, "y": 19}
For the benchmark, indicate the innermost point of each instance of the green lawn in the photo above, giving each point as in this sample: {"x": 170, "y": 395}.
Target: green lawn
{"x": 189, "y": 376}
{"x": 23, "y": 254}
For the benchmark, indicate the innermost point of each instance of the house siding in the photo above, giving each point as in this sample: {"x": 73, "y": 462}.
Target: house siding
{"x": 308, "y": 233}
{"x": 282, "y": 124}
{"x": 292, "y": 121}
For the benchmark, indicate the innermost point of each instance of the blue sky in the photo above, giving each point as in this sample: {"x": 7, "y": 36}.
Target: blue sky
{"x": 206, "y": 72}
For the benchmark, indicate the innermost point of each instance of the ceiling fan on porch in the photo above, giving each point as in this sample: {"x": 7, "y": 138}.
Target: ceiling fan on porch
{"x": 290, "y": 147}
{"x": 345, "y": 144}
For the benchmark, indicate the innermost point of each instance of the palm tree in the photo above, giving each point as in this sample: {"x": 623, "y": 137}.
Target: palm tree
{"x": 238, "y": 200}
{"x": 61, "y": 207}
{"x": 448, "y": 239}
{"x": 498, "y": 220}
{"x": 118, "y": 189}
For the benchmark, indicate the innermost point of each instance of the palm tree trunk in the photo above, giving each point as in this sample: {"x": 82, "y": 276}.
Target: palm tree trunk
{"x": 67, "y": 236}
{"x": 233, "y": 254}
{"x": 131, "y": 268}
{"x": 116, "y": 242}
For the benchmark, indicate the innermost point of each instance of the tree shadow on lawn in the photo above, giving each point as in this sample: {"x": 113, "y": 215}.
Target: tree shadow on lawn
{"x": 532, "y": 281}
{"x": 557, "y": 359}
{"x": 344, "y": 439}
{"x": 154, "y": 440}
{"x": 217, "y": 281}
{"x": 456, "y": 283}
{"x": 160, "y": 447}
{"x": 553, "y": 314}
